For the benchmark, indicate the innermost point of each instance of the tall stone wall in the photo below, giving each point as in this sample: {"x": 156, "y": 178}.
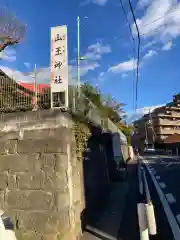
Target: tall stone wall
{"x": 55, "y": 173}
{"x": 40, "y": 177}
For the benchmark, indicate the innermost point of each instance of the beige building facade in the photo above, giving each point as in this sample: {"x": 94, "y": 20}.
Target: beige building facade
{"x": 155, "y": 127}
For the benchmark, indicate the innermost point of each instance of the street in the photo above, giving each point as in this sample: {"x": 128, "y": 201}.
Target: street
{"x": 163, "y": 176}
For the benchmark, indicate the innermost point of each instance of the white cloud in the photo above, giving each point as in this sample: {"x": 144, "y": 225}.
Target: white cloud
{"x": 88, "y": 67}
{"x": 124, "y": 66}
{"x": 26, "y": 64}
{"x": 100, "y": 2}
{"x": 43, "y": 74}
{"x": 9, "y": 55}
{"x": 124, "y": 75}
{"x": 16, "y": 75}
{"x": 97, "y": 2}
{"x": 146, "y": 110}
{"x": 143, "y": 3}
{"x": 150, "y": 53}
{"x": 131, "y": 64}
{"x": 95, "y": 51}
{"x": 100, "y": 79}
{"x": 131, "y": 116}
{"x": 147, "y": 45}
{"x": 93, "y": 54}
{"x": 160, "y": 20}
{"x": 101, "y": 74}
{"x": 167, "y": 46}
{"x": 85, "y": 68}
{"x": 99, "y": 48}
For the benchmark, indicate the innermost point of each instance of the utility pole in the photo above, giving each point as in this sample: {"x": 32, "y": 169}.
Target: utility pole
{"x": 78, "y": 56}
{"x": 152, "y": 127}
{"x": 35, "y": 107}
{"x": 146, "y": 133}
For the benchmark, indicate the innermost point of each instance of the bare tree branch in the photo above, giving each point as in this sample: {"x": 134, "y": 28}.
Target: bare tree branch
{"x": 12, "y": 30}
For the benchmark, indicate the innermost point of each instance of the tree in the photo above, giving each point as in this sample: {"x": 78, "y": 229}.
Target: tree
{"x": 127, "y": 130}
{"x": 11, "y": 29}
{"x": 107, "y": 105}
{"x": 92, "y": 94}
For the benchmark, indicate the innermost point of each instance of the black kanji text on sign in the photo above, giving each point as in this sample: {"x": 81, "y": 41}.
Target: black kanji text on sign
{"x": 58, "y": 79}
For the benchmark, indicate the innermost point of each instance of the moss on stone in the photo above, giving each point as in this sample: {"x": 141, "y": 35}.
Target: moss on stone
{"x": 81, "y": 133}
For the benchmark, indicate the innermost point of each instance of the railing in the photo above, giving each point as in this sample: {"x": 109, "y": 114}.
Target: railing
{"x": 169, "y": 131}
{"x": 169, "y": 122}
{"x": 170, "y": 116}
{"x": 108, "y": 124}
{"x": 16, "y": 96}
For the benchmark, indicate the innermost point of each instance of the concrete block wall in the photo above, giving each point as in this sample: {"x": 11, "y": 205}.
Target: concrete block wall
{"x": 125, "y": 152}
{"x": 40, "y": 177}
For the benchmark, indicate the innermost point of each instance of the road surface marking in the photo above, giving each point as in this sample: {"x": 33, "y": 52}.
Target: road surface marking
{"x": 170, "y": 216}
{"x": 162, "y": 185}
{"x": 162, "y": 161}
{"x": 153, "y": 171}
{"x": 99, "y": 233}
{"x": 170, "y": 198}
{"x": 178, "y": 218}
{"x": 157, "y": 177}
{"x": 169, "y": 164}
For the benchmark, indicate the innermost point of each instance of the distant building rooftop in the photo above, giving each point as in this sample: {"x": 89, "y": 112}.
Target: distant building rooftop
{"x": 30, "y": 86}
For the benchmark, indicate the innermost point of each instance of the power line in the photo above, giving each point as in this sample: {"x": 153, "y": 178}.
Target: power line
{"x": 138, "y": 53}
{"x": 155, "y": 29}
{"x": 173, "y": 10}
{"x": 133, "y": 41}
{"x": 144, "y": 34}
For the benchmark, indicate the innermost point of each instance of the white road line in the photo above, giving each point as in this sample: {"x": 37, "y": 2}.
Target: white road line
{"x": 171, "y": 199}
{"x": 170, "y": 216}
{"x": 162, "y": 185}
{"x": 169, "y": 164}
{"x": 162, "y": 161}
{"x": 100, "y": 233}
{"x": 153, "y": 171}
{"x": 178, "y": 218}
{"x": 157, "y": 177}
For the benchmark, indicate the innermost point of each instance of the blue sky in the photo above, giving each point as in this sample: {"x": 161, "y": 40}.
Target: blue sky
{"x": 107, "y": 43}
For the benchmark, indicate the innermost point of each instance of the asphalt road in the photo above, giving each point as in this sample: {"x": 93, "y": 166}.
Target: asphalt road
{"x": 163, "y": 179}
{"x": 119, "y": 220}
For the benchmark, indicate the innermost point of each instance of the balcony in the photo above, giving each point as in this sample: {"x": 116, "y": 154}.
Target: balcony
{"x": 173, "y": 114}
{"x": 169, "y": 122}
{"x": 166, "y": 131}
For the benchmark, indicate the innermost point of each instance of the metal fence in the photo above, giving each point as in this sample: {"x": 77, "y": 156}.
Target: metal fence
{"x": 16, "y": 96}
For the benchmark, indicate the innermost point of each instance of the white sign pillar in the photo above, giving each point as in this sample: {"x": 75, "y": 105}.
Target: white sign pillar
{"x": 59, "y": 67}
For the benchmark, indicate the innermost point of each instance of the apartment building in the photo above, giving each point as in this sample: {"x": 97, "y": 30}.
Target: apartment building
{"x": 155, "y": 127}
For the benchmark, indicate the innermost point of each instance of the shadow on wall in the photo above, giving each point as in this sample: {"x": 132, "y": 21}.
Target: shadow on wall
{"x": 99, "y": 170}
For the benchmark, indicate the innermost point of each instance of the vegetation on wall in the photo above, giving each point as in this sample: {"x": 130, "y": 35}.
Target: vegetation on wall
{"x": 127, "y": 130}
{"x": 108, "y": 106}
{"x": 81, "y": 133}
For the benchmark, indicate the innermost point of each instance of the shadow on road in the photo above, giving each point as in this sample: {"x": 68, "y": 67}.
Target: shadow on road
{"x": 103, "y": 190}
{"x": 116, "y": 218}
{"x": 129, "y": 228}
